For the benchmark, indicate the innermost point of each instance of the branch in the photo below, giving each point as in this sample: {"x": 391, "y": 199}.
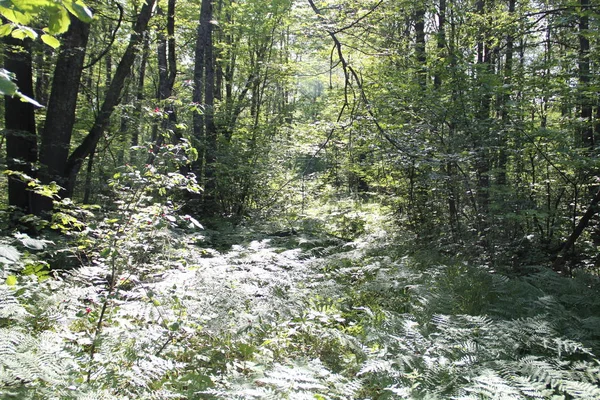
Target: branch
{"x": 559, "y": 262}
{"x": 112, "y": 39}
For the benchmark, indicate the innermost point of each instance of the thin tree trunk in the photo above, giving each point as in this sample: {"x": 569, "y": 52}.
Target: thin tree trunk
{"x": 135, "y": 136}
{"x": 587, "y": 133}
{"x": 504, "y": 101}
{"x": 559, "y": 262}
{"x": 167, "y": 71}
{"x": 88, "y": 178}
{"x": 204, "y": 94}
{"x": 485, "y": 67}
{"x": 420, "y": 46}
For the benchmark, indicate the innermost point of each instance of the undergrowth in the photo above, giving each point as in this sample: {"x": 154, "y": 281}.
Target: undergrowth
{"x": 161, "y": 308}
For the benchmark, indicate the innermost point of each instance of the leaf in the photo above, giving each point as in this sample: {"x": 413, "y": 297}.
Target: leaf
{"x": 8, "y": 254}
{"x": 32, "y": 6}
{"x": 59, "y": 21}
{"x": 35, "y": 244}
{"x": 11, "y": 280}
{"x": 24, "y": 32}
{"x": 6, "y": 29}
{"x": 80, "y": 10}
{"x": 7, "y": 86}
{"x": 193, "y": 222}
{"x": 15, "y": 16}
{"x": 50, "y": 40}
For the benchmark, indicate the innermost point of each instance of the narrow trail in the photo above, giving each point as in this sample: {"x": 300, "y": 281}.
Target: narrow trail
{"x": 308, "y": 317}
{"x": 241, "y": 314}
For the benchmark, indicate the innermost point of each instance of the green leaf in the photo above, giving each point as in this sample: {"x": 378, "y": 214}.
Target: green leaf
{"x": 6, "y": 29}
{"x": 80, "y": 10}
{"x": 32, "y": 6}
{"x": 8, "y": 254}
{"x": 15, "y": 16}
{"x": 11, "y": 280}
{"x": 50, "y": 40}
{"x": 59, "y": 20}
{"x": 7, "y": 86}
{"x": 24, "y": 32}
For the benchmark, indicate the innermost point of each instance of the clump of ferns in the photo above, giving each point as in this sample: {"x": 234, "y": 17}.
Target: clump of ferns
{"x": 448, "y": 356}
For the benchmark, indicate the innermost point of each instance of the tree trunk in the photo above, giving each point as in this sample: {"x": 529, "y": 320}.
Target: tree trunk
{"x": 19, "y": 120}
{"x": 204, "y": 95}
{"x": 559, "y": 262}
{"x": 111, "y": 100}
{"x": 504, "y": 101}
{"x": 60, "y": 115}
{"x": 420, "y": 55}
{"x": 587, "y": 133}
{"x": 485, "y": 68}
{"x": 135, "y": 136}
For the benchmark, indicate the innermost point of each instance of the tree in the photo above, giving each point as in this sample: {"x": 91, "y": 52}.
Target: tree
{"x": 60, "y": 116}
{"x": 205, "y": 131}
{"x": 19, "y": 121}
{"x": 111, "y": 99}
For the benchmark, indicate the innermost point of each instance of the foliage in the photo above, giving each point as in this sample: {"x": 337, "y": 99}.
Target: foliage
{"x": 20, "y": 16}
{"x": 157, "y": 312}
{"x": 386, "y": 183}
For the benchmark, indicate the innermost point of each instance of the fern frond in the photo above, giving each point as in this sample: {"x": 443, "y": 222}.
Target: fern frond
{"x": 489, "y": 385}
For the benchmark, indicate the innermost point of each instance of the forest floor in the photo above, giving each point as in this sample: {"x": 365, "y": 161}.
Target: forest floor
{"x": 312, "y": 316}
{"x": 251, "y": 313}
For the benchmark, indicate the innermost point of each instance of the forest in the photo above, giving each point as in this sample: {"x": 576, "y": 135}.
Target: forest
{"x": 300, "y": 199}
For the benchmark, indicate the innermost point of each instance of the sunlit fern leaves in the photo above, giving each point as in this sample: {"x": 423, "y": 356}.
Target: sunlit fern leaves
{"x": 28, "y": 361}
{"x": 301, "y": 379}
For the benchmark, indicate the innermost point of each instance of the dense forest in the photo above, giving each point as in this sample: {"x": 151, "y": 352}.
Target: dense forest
{"x": 300, "y": 199}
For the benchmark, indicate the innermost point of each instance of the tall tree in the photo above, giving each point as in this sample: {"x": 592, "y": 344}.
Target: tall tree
{"x": 60, "y": 115}
{"x": 204, "y": 96}
{"x": 19, "y": 121}
{"x": 111, "y": 99}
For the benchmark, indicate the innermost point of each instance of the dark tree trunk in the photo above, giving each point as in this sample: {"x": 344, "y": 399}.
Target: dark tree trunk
{"x": 111, "y": 100}
{"x": 19, "y": 120}
{"x": 504, "y": 101}
{"x": 60, "y": 115}
{"x": 198, "y": 93}
{"x": 587, "y": 133}
{"x": 485, "y": 68}
{"x": 204, "y": 94}
{"x": 167, "y": 71}
{"x": 441, "y": 41}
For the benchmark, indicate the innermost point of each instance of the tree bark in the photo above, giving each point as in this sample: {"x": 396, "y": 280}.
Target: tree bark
{"x": 135, "y": 136}
{"x": 204, "y": 94}
{"x": 19, "y": 120}
{"x": 420, "y": 54}
{"x": 167, "y": 71}
{"x": 587, "y": 133}
{"x": 60, "y": 115}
